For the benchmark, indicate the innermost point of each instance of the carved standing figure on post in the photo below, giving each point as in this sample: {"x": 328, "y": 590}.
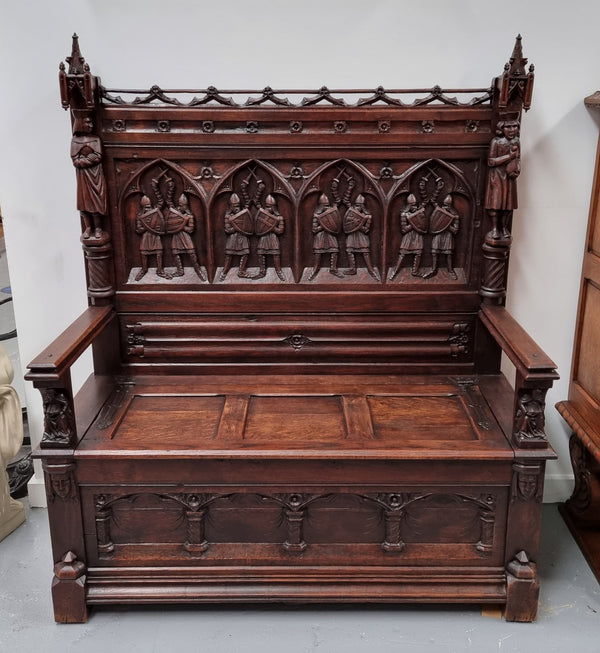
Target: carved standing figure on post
{"x": 413, "y": 224}
{"x": 326, "y": 224}
{"x": 86, "y": 154}
{"x": 269, "y": 226}
{"x": 504, "y": 163}
{"x": 444, "y": 225}
{"x": 357, "y": 225}
{"x": 238, "y": 226}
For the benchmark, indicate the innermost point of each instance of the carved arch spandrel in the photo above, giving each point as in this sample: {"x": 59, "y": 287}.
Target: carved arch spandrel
{"x": 251, "y": 220}
{"x": 435, "y": 201}
{"x": 164, "y": 225}
{"x": 341, "y": 223}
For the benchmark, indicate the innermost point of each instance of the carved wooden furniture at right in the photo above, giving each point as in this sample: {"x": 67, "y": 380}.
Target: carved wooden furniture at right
{"x": 582, "y": 410}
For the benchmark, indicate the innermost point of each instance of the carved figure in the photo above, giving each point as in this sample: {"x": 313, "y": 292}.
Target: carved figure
{"x": 269, "y": 226}
{"x": 504, "y": 163}
{"x": 444, "y": 223}
{"x": 180, "y": 223}
{"x": 86, "y": 154}
{"x": 413, "y": 224}
{"x": 529, "y": 423}
{"x": 326, "y": 224}
{"x": 58, "y": 417}
{"x": 357, "y": 225}
{"x": 238, "y": 227}
{"x": 150, "y": 223}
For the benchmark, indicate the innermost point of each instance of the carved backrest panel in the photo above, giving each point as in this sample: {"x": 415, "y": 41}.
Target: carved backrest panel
{"x": 382, "y": 204}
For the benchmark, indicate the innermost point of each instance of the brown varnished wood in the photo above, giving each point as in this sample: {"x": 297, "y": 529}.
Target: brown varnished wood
{"x": 581, "y": 410}
{"x": 296, "y": 314}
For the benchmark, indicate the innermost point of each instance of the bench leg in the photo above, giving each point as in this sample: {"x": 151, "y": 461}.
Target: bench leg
{"x": 68, "y": 590}
{"x": 522, "y": 589}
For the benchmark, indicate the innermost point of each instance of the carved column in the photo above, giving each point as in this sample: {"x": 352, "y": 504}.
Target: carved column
{"x": 295, "y": 538}
{"x": 99, "y": 260}
{"x": 196, "y": 542}
{"x": 487, "y": 520}
{"x": 393, "y": 539}
{"x": 103, "y": 517}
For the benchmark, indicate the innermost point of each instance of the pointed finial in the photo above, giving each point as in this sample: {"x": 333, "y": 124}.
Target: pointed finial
{"x": 76, "y": 60}
{"x": 517, "y": 60}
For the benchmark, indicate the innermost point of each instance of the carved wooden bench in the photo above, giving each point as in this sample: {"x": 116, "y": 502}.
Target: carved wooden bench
{"x": 296, "y": 314}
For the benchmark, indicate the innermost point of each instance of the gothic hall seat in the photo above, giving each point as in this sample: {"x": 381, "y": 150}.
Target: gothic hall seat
{"x": 296, "y": 310}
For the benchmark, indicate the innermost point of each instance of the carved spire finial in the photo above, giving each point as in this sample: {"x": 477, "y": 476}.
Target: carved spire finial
{"x": 76, "y": 60}
{"x": 516, "y": 84}
{"x": 517, "y": 61}
{"x": 77, "y": 85}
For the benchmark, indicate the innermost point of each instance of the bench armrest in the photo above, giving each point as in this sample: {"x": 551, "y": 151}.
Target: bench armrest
{"x": 60, "y": 355}
{"x": 50, "y": 372}
{"x": 535, "y": 374}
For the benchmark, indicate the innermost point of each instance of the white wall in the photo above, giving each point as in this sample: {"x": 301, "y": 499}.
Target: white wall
{"x": 308, "y": 43}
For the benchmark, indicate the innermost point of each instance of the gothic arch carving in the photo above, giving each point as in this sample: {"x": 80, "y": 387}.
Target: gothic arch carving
{"x": 431, "y": 220}
{"x": 164, "y": 218}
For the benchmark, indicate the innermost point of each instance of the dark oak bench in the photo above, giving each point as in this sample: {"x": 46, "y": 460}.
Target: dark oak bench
{"x": 297, "y": 319}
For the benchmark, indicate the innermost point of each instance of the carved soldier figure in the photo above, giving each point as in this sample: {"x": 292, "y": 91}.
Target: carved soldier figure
{"x": 357, "y": 225}
{"x": 180, "y": 223}
{"x": 86, "y": 154}
{"x": 150, "y": 223}
{"x": 504, "y": 163}
{"x": 444, "y": 224}
{"x": 413, "y": 224}
{"x": 238, "y": 227}
{"x": 326, "y": 224}
{"x": 269, "y": 226}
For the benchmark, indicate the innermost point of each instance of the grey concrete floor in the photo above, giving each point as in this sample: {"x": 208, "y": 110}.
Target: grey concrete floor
{"x": 569, "y": 618}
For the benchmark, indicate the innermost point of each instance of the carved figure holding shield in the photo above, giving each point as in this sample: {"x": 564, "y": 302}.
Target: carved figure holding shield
{"x": 180, "y": 223}
{"x": 269, "y": 225}
{"x": 86, "y": 154}
{"x": 238, "y": 227}
{"x": 444, "y": 224}
{"x": 357, "y": 225}
{"x": 326, "y": 224}
{"x": 413, "y": 224}
{"x": 504, "y": 163}
{"x": 150, "y": 223}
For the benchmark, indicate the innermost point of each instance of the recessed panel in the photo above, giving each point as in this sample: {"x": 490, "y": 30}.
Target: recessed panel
{"x": 588, "y": 361}
{"x": 295, "y": 419}
{"x": 172, "y": 420}
{"x": 420, "y": 418}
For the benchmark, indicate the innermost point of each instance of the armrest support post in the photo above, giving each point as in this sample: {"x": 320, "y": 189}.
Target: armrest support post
{"x": 50, "y": 373}
{"x": 535, "y": 374}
